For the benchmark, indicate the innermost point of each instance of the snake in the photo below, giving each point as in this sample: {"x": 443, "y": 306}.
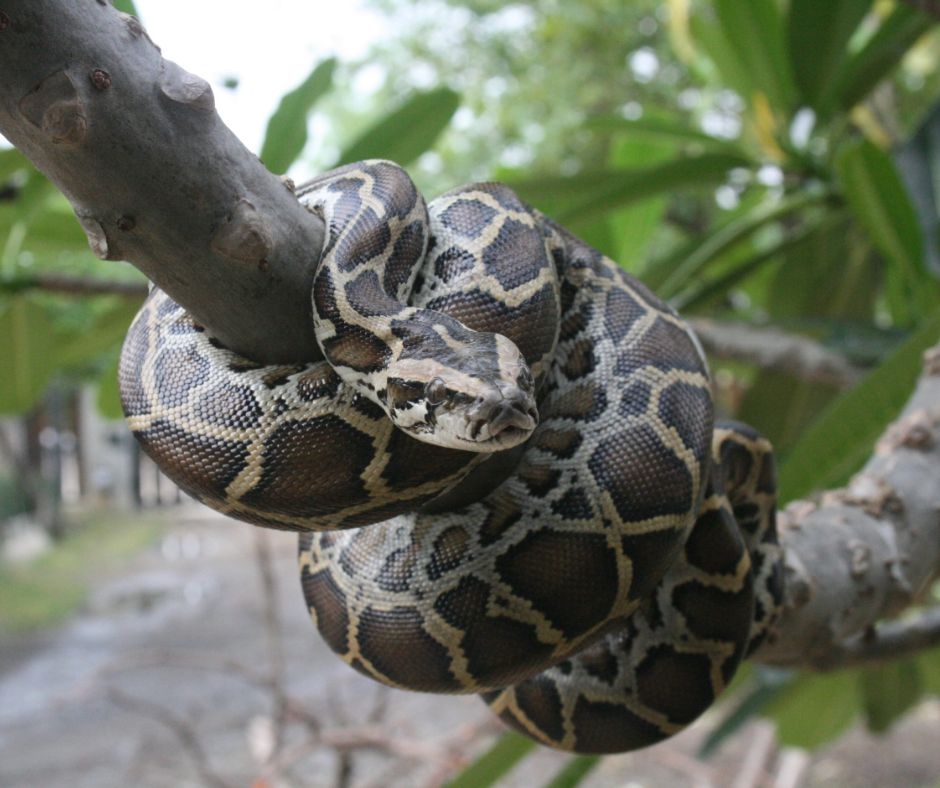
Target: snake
{"x": 503, "y": 464}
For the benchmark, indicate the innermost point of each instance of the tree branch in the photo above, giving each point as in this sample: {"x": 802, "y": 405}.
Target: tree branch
{"x": 185, "y": 733}
{"x": 153, "y": 174}
{"x": 891, "y": 640}
{"x": 770, "y": 348}
{"x": 866, "y": 552}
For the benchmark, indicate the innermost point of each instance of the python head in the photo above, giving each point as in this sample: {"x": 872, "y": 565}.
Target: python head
{"x": 479, "y": 395}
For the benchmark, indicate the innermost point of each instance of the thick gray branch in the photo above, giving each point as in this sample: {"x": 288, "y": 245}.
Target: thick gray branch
{"x": 869, "y": 551}
{"x": 153, "y": 174}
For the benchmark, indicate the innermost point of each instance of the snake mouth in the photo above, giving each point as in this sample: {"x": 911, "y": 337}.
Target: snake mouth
{"x": 504, "y": 422}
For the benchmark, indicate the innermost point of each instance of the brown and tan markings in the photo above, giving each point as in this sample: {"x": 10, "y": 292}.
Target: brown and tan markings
{"x": 605, "y": 557}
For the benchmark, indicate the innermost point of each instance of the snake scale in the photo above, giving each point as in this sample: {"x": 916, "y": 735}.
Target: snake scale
{"x": 504, "y": 470}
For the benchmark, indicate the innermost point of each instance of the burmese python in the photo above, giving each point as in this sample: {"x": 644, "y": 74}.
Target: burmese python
{"x": 551, "y": 518}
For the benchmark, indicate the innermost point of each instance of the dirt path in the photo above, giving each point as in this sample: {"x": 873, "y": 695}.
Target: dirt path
{"x": 161, "y": 682}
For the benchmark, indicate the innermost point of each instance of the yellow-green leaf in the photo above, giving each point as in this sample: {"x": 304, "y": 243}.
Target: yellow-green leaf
{"x": 26, "y": 354}
{"x": 587, "y": 196}
{"x": 505, "y": 753}
{"x": 879, "y": 56}
{"x": 842, "y": 437}
{"x": 874, "y": 192}
{"x": 889, "y": 690}
{"x": 754, "y": 29}
{"x": 814, "y": 709}
{"x": 409, "y": 131}
{"x": 286, "y": 134}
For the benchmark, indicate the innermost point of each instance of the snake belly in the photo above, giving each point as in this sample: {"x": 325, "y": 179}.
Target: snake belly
{"x": 623, "y": 547}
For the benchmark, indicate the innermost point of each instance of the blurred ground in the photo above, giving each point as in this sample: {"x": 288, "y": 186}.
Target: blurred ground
{"x": 164, "y": 679}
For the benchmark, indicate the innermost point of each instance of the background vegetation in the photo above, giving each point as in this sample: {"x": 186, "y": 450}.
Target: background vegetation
{"x": 768, "y": 164}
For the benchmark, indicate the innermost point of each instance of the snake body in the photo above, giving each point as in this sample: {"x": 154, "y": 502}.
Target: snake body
{"x": 505, "y": 468}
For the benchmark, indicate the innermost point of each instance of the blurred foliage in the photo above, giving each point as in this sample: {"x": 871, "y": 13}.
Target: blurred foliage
{"x": 771, "y": 162}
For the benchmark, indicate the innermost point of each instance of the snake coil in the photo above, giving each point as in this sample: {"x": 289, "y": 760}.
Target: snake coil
{"x": 504, "y": 470}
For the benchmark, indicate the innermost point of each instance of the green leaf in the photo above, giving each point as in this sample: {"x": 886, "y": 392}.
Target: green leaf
{"x": 672, "y": 274}
{"x": 874, "y": 191}
{"x": 814, "y": 709}
{"x": 729, "y": 266}
{"x": 11, "y": 161}
{"x": 35, "y": 348}
{"x": 407, "y": 132}
{"x": 661, "y": 128}
{"x": 633, "y": 227}
{"x": 830, "y": 274}
{"x": 827, "y": 275}
{"x": 109, "y": 395}
{"x": 888, "y": 691}
{"x": 754, "y": 29}
{"x": 573, "y": 772}
{"x": 286, "y": 134}
{"x": 880, "y": 55}
{"x": 589, "y": 195}
{"x": 928, "y": 663}
{"x": 916, "y": 161}
{"x": 732, "y": 73}
{"x": 107, "y": 333}
{"x": 56, "y": 228}
{"x": 28, "y": 359}
{"x": 509, "y": 749}
{"x": 818, "y": 35}
{"x": 127, "y": 6}
{"x": 840, "y": 440}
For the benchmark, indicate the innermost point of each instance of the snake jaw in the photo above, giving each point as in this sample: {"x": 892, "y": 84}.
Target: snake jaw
{"x": 502, "y": 419}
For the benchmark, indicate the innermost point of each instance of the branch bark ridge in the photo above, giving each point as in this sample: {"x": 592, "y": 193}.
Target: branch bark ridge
{"x": 155, "y": 177}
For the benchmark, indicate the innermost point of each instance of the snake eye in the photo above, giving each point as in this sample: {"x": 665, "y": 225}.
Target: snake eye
{"x": 435, "y": 392}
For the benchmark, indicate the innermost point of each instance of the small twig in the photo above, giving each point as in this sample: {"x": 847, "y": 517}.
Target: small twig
{"x": 374, "y": 737}
{"x": 344, "y": 769}
{"x": 272, "y": 628}
{"x": 64, "y": 284}
{"x": 888, "y": 641}
{"x": 379, "y": 704}
{"x": 183, "y": 731}
{"x": 213, "y": 662}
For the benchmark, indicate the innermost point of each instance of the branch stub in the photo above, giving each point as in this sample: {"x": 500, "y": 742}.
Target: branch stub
{"x": 244, "y": 237}
{"x": 180, "y": 86}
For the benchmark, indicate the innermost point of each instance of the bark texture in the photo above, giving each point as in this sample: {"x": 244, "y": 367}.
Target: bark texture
{"x": 869, "y": 551}
{"x": 153, "y": 174}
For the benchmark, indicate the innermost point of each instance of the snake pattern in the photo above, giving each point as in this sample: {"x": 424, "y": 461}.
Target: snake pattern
{"x": 504, "y": 469}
